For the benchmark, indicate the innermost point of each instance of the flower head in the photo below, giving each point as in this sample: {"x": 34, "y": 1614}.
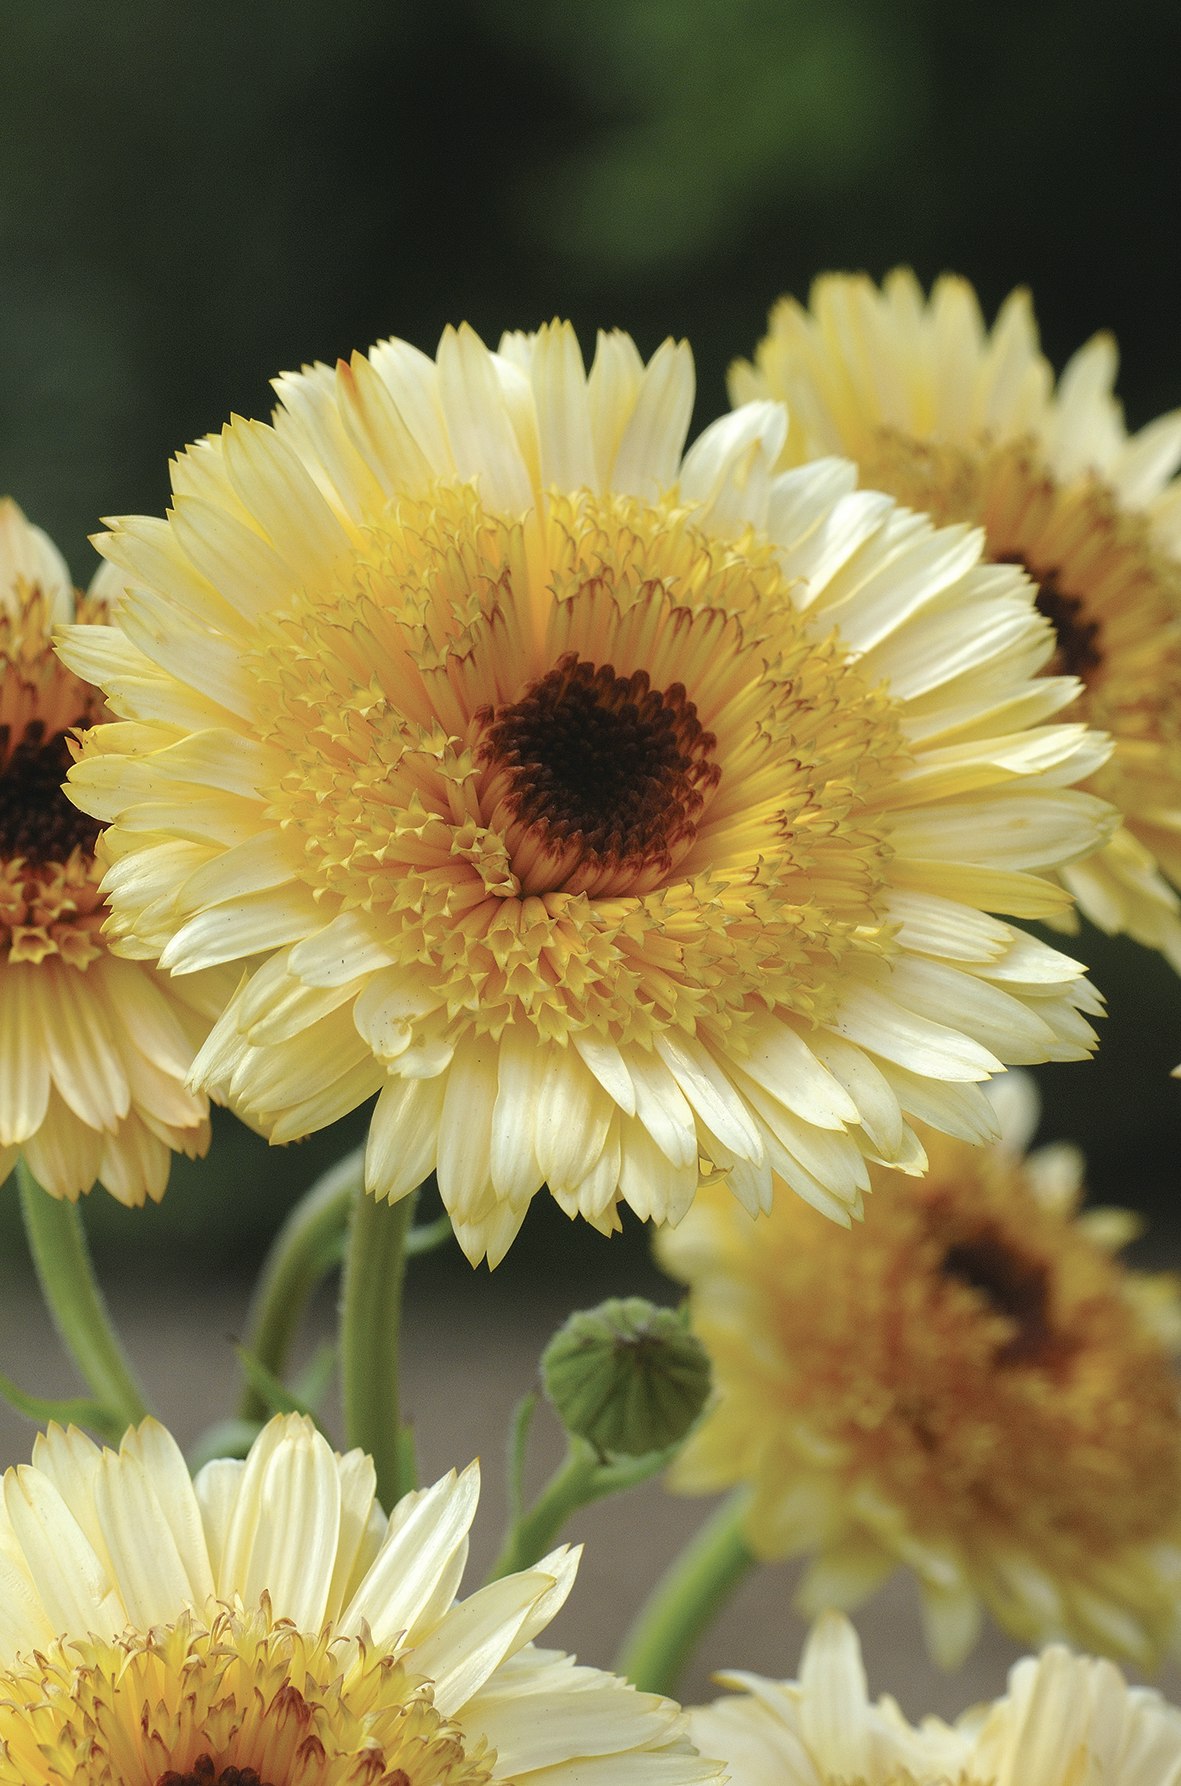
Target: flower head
{"x": 93, "y": 1050}
{"x": 616, "y": 816}
{"x": 966, "y": 424}
{"x": 1065, "y": 1719}
{"x": 970, "y": 1385}
{"x": 268, "y": 1617}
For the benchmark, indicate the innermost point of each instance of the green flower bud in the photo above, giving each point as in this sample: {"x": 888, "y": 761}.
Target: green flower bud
{"x": 629, "y": 1377}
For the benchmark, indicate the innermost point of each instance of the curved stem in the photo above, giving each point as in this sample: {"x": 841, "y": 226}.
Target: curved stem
{"x": 307, "y": 1246}
{"x": 686, "y": 1601}
{"x": 570, "y": 1487}
{"x": 370, "y": 1334}
{"x": 57, "y": 1241}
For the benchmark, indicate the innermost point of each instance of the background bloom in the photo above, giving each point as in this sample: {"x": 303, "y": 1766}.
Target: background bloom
{"x": 93, "y": 1050}
{"x": 269, "y": 1616}
{"x": 616, "y": 816}
{"x": 969, "y": 1385}
{"x": 1064, "y": 1719}
{"x": 967, "y": 424}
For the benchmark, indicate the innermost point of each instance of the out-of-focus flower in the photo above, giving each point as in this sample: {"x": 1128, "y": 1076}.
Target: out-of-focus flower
{"x": 1065, "y": 1719}
{"x": 93, "y": 1050}
{"x": 970, "y": 1386}
{"x": 966, "y": 423}
{"x": 269, "y": 1617}
{"x": 615, "y": 815}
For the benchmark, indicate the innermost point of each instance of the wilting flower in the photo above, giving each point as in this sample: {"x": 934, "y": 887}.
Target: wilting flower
{"x": 93, "y": 1050}
{"x": 615, "y": 816}
{"x": 1065, "y": 1720}
{"x": 971, "y": 1385}
{"x": 966, "y": 424}
{"x": 160, "y": 1632}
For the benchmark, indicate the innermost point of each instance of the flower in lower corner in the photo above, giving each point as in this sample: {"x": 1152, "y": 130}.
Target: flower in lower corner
{"x": 1065, "y": 1719}
{"x": 267, "y": 1623}
{"x": 94, "y": 1049}
{"x": 616, "y": 815}
{"x": 971, "y": 1386}
{"x": 966, "y": 424}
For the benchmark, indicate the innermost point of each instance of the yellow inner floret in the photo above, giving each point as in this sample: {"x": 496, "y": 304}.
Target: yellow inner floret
{"x": 591, "y": 771}
{"x": 243, "y": 1700}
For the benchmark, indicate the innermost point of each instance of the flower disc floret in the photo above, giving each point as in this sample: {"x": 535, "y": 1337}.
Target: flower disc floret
{"x": 618, "y": 816}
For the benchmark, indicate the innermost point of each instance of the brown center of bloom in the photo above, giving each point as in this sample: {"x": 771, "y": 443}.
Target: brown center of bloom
{"x": 1013, "y": 1286}
{"x": 601, "y": 778}
{"x": 1078, "y": 651}
{"x": 204, "y": 1773}
{"x": 49, "y": 904}
{"x": 37, "y": 821}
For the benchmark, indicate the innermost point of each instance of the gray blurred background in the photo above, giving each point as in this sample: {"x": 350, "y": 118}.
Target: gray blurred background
{"x": 194, "y": 198}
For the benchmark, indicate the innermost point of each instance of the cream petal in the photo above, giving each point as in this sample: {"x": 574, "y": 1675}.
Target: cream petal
{"x": 399, "y": 1597}
{"x": 216, "y": 1487}
{"x": 71, "y": 1582}
{"x": 29, "y": 556}
{"x": 471, "y": 1640}
{"x": 560, "y": 391}
{"x": 483, "y": 442}
{"x": 647, "y": 459}
{"x": 403, "y": 1140}
{"x": 834, "y": 1696}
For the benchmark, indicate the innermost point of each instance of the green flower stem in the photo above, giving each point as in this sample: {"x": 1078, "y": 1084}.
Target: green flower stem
{"x": 571, "y": 1486}
{"x": 57, "y": 1241}
{"x": 370, "y": 1335}
{"x": 307, "y": 1246}
{"x": 686, "y": 1601}
{"x": 583, "y": 1476}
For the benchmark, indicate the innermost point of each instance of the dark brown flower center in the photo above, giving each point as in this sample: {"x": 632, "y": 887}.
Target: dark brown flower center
{"x": 205, "y": 1772}
{"x": 37, "y": 821}
{"x": 600, "y": 767}
{"x": 1014, "y": 1286}
{"x": 1079, "y": 650}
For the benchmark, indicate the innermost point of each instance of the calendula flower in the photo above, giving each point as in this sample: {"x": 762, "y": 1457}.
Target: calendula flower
{"x": 966, "y": 424}
{"x": 1065, "y": 1720}
{"x": 269, "y": 1617}
{"x": 94, "y": 1050}
{"x": 972, "y": 1386}
{"x": 615, "y": 816}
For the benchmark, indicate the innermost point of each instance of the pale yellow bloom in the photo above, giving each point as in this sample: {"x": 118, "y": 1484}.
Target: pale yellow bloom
{"x": 970, "y": 1386}
{"x": 94, "y": 1050}
{"x": 616, "y": 815}
{"x": 1066, "y": 1720}
{"x": 270, "y": 1617}
{"x": 967, "y": 424}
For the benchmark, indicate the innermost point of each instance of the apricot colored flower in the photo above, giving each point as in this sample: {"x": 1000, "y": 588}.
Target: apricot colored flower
{"x": 971, "y": 1386}
{"x": 94, "y": 1050}
{"x": 617, "y": 816}
{"x": 966, "y": 423}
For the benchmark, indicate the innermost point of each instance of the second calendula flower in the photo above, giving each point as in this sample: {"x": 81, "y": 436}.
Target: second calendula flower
{"x": 970, "y": 1386}
{"x": 616, "y": 815}
{"x": 94, "y": 1050}
{"x": 967, "y": 424}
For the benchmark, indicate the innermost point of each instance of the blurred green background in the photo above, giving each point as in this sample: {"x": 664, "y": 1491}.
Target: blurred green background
{"x": 193, "y": 198}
